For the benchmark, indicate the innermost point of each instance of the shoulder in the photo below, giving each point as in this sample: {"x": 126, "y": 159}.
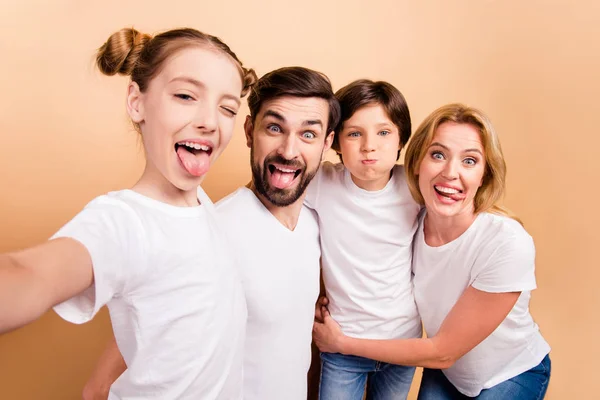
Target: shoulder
{"x": 113, "y": 208}
{"x": 501, "y": 234}
{"x": 235, "y": 200}
{"x": 330, "y": 170}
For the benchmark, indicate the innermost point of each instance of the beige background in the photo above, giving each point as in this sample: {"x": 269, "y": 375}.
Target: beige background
{"x": 532, "y": 66}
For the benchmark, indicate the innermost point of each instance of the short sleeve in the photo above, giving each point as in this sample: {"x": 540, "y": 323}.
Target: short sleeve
{"x": 112, "y": 234}
{"x": 510, "y": 267}
{"x": 312, "y": 191}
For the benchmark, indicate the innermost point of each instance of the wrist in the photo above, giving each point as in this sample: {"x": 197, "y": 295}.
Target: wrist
{"x": 342, "y": 344}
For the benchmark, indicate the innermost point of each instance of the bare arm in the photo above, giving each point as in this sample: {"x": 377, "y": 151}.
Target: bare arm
{"x": 473, "y": 318}
{"x": 35, "y": 279}
{"x": 109, "y": 367}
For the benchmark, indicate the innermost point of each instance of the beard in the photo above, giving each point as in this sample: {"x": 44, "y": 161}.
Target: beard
{"x": 280, "y": 197}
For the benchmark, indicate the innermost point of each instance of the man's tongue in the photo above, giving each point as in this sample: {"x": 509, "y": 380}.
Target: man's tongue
{"x": 281, "y": 180}
{"x": 195, "y": 164}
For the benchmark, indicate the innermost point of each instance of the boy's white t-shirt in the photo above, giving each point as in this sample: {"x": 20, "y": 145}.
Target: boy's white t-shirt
{"x": 280, "y": 274}
{"x": 366, "y": 241}
{"x": 174, "y": 296}
{"x": 495, "y": 254}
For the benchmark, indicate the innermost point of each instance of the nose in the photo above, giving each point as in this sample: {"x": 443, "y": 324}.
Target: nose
{"x": 367, "y": 144}
{"x": 289, "y": 147}
{"x": 450, "y": 170}
{"x": 206, "y": 117}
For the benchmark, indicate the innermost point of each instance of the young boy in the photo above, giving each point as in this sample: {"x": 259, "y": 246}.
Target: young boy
{"x": 367, "y": 220}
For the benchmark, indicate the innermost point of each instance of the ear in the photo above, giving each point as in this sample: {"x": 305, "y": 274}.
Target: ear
{"x": 328, "y": 142}
{"x": 135, "y": 105}
{"x": 249, "y": 130}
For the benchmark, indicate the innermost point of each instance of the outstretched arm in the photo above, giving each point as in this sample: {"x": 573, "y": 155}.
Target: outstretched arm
{"x": 34, "y": 280}
{"x": 472, "y": 319}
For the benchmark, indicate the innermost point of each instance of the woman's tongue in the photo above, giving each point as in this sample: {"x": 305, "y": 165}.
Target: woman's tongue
{"x": 281, "y": 179}
{"x": 196, "y": 164}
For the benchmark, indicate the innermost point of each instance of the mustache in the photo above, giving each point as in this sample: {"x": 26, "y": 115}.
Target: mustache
{"x": 277, "y": 159}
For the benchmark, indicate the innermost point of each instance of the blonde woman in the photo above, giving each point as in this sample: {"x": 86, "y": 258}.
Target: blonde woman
{"x": 473, "y": 267}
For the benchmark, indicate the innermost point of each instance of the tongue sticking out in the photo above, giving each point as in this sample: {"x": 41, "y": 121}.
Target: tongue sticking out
{"x": 457, "y": 196}
{"x": 282, "y": 180}
{"x": 195, "y": 164}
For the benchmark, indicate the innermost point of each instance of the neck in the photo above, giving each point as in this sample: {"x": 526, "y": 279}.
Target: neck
{"x": 440, "y": 230}
{"x": 288, "y": 216}
{"x": 372, "y": 185}
{"x": 154, "y": 185}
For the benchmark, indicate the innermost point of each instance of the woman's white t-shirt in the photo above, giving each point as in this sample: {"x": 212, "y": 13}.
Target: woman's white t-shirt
{"x": 495, "y": 254}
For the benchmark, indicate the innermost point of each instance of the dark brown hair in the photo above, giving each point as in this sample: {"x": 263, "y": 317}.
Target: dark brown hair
{"x": 129, "y": 52}
{"x": 364, "y": 92}
{"x": 295, "y": 82}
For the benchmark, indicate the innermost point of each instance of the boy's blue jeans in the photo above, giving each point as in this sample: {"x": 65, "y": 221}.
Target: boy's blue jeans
{"x": 344, "y": 378}
{"x": 530, "y": 385}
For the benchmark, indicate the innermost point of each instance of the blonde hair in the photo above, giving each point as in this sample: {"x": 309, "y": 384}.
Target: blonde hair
{"x": 129, "y": 52}
{"x": 493, "y": 185}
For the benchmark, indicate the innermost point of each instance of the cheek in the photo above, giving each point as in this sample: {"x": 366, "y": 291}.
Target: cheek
{"x": 227, "y": 126}
{"x": 348, "y": 148}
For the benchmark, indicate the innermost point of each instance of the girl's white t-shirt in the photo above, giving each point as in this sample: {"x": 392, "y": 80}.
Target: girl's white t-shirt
{"x": 174, "y": 296}
{"x": 495, "y": 254}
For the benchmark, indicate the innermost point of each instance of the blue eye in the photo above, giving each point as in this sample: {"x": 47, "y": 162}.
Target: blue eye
{"x": 354, "y": 134}
{"x": 274, "y": 128}
{"x": 309, "y": 135}
{"x": 183, "y": 96}
{"x": 438, "y": 155}
{"x": 384, "y": 133}
{"x": 470, "y": 161}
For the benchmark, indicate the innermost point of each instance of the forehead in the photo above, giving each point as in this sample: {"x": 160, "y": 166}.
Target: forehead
{"x": 373, "y": 113}
{"x": 459, "y": 136}
{"x": 211, "y": 68}
{"x": 296, "y": 110}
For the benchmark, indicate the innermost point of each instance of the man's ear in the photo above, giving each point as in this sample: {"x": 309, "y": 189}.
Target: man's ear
{"x": 135, "y": 105}
{"x": 328, "y": 142}
{"x": 249, "y": 130}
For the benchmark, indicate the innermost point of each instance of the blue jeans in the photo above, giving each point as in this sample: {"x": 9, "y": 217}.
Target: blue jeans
{"x": 344, "y": 378}
{"x": 530, "y": 385}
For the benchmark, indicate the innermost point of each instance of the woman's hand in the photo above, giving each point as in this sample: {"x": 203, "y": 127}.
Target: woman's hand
{"x": 328, "y": 335}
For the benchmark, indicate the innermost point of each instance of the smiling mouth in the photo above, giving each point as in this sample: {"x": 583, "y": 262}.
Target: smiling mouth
{"x": 449, "y": 193}
{"x": 282, "y": 177}
{"x": 194, "y": 148}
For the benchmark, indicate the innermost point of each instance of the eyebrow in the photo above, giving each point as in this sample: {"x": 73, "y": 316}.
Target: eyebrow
{"x": 378, "y": 125}
{"x": 201, "y": 85}
{"x": 281, "y": 118}
{"x": 464, "y": 151}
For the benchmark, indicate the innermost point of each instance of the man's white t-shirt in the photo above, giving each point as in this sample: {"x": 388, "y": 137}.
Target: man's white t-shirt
{"x": 366, "y": 240}
{"x": 495, "y": 254}
{"x": 174, "y": 296}
{"x": 280, "y": 275}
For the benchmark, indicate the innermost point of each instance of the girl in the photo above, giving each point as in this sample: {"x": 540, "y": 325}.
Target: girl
{"x": 153, "y": 253}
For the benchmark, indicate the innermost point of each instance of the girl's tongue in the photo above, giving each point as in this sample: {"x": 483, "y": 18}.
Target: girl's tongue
{"x": 195, "y": 162}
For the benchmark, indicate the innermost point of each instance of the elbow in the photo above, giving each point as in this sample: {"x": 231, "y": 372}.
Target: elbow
{"x": 443, "y": 362}
{"x": 443, "y": 355}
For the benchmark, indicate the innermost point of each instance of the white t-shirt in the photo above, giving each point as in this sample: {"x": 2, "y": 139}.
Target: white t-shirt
{"x": 280, "y": 275}
{"x": 174, "y": 296}
{"x": 366, "y": 240}
{"x": 495, "y": 254}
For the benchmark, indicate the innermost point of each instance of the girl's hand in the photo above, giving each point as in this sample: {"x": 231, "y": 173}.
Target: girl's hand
{"x": 328, "y": 336}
